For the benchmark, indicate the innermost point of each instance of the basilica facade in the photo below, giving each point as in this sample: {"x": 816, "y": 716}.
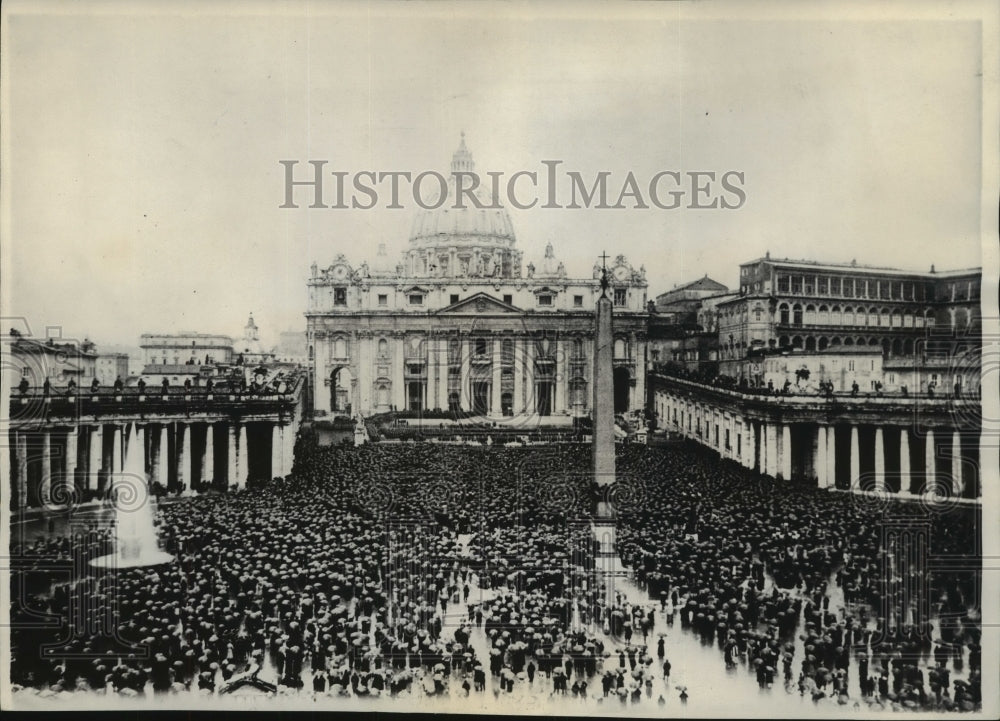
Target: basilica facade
{"x": 462, "y": 323}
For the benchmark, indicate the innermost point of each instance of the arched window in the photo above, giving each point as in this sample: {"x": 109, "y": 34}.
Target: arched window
{"x": 835, "y": 318}
{"x": 480, "y": 346}
{"x": 620, "y": 348}
{"x": 383, "y": 347}
{"x": 578, "y": 348}
{"x": 340, "y": 348}
{"x": 810, "y": 316}
{"x": 824, "y": 315}
{"x": 822, "y": 343}
{"x": 884, "y": 318}
{"x": 796, "y": 314}
{"x": 783, "y": 314}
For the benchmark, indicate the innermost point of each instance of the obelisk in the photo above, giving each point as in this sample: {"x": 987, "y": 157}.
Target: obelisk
{"x": 603, "y": 451}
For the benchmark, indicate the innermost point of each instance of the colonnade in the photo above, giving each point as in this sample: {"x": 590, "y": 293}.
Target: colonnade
{"x": 178, "y": 454}
{"x": 887, "y": 455}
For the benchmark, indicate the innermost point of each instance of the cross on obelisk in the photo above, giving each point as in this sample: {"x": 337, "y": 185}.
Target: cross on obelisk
{"x": 603, "y": 451}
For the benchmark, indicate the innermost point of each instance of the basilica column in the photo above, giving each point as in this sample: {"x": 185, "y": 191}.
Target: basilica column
{"x": 321, "y": 394}
{"x": 69, "y": 469}
{"x": 95, "y": 456}
{"x": 431, "y": 373}
{"x": 495, "y": 407}
{"x": 786, "y": 451}
{"x": 364, "y": 386}
{"x": 855, "y": 459}
{"x": 465, "y": 389}
{"x": 930, "y": 462}
{"x": 904, "y": 460}
{"x": 879, "y": 460}
{"x": 559, "y": 401}
{"x": 518, "y": 376}
{"x": 443, "y": 373}
{"x": 208, "y": 457}
{"x": 45, "y": 487}
{"x": 232, "y": 458}
{"x": 957, "y": 486}
{"x": 819, "y": 459}
{"x": 530, "y": 391}
{"x": 21, "y": 444}
{"x": 640, "y": 371}
{"x": 243, "y": 458}
{"x": 277, "y": 463}
{"x": 398, "y": 363}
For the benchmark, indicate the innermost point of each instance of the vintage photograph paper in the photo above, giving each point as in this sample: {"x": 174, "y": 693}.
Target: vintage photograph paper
{"x": 626, "y": 359}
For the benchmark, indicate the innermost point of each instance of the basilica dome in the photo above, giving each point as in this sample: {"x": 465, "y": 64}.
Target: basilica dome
{"x": 488, "y": 227}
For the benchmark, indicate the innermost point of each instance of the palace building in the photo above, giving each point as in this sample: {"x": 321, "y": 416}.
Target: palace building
{"x": 463, "y": 323}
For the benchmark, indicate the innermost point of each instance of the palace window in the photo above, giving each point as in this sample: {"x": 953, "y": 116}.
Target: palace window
{"x": 453, "y": 298}
{"x": 480, "y": 346}
{"x": 383, "y": 299}
{"x": 545, "y": 300}
{"x": 577, "y": 301}
{"x": 508, "y": 299}
{"x": 416, "y": 299}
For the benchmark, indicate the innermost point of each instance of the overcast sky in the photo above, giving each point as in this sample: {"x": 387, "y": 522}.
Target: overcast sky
{"x": 144, "y": 148}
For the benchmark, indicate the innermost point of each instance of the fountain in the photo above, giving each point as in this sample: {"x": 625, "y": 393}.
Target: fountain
{"x": 136, "y": 543}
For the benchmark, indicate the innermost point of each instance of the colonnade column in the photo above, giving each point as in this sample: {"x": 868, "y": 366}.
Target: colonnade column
{"x": 904, "y": 460}
{"x": 45, "y": 489}
{"x": 831, "y": 456}
{"x": 530, "y": 391}
{"x": 288, "y": 441}
{"x": 116, "y": 450}
{"x": 184, "y": 461}
{"x": 819, "y": 462}
{"x": 95, "y": 457}
{"x": 277, "y": 463}
{"x": 930, "y": 458}
{"x": 786, "y": 451}
{"x": 879, "y": 460}
{"x": 464, "y": 389}
{"x": 518, "y": 376}
{"x": 495, "y": 408}
{"x": 242, "y": 473}
{"x": 232, "y": 459}
{"x": 208, "y": 457}
{"x": 957, "y": 486}
{"x": 855, "y": 460}
{"x": 163, "y": 457}
{"x": 771, "y": 443}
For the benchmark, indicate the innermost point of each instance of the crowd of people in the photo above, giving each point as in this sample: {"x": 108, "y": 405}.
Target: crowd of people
{"x": 435, "y": 570}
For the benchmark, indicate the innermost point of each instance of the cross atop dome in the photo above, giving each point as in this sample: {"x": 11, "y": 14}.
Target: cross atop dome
{"x": 461, "y": 161}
